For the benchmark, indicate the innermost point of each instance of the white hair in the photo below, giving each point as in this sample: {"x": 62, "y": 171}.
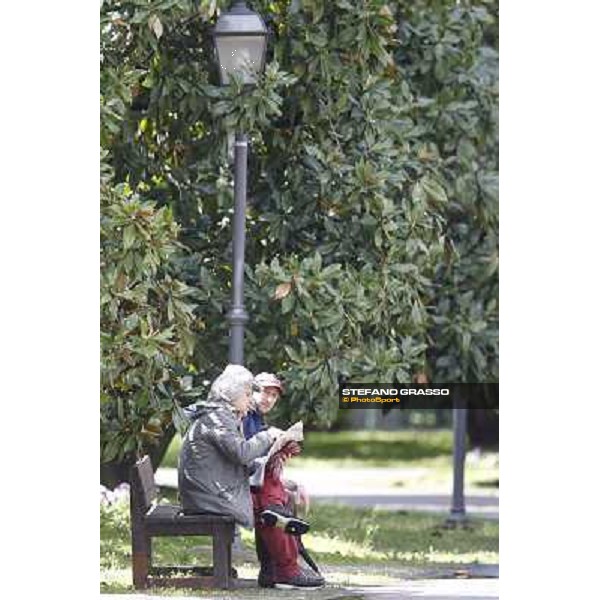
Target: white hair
{"x": 230, "y": 384}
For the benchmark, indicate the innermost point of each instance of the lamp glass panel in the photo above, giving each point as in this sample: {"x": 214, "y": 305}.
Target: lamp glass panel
{"x": 241, "y": 54}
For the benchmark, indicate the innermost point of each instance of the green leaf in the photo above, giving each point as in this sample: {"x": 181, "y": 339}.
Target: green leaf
{"x": 287, "y": 304}
{"x": 434, "y": 191}
{"x": 111, "y": 449}
{"x": 129, "y": 235}
{"x": 292, "y": 353}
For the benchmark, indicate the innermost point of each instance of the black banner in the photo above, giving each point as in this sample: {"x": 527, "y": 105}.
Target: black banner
{"x": 418, "y": 395}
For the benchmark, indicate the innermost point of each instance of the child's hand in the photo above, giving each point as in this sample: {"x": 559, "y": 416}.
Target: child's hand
{"x": 291, "y": 449}
{"x": 303, "y": 498}
{"x": 275, "y": 465}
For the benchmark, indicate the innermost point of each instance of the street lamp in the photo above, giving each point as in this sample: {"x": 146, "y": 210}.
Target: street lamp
{"x": 240, "y": 38}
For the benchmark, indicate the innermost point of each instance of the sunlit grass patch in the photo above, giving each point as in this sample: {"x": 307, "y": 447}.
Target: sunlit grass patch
{"x": 377, "y": 446}
{"x": 370, "y": 535}
{"x": 337, "y": 549}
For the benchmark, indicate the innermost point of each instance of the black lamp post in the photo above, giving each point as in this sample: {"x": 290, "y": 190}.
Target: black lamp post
{"x": 240, "y": 38}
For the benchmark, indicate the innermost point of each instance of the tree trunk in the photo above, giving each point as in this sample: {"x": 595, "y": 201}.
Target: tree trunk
{"x": 483, "y": 428}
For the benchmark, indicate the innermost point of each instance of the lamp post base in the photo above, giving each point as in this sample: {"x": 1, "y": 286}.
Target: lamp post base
{"x": 458, "y": 520}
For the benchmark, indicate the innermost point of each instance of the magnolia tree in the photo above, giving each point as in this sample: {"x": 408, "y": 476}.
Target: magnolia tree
{"x": 372, "y": 216}
{"x": 147, "y": 317}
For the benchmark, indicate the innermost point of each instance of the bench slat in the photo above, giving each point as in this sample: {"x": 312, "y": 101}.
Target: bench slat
{"x": 143, "y": 480}
{"x": 172, "y": 513}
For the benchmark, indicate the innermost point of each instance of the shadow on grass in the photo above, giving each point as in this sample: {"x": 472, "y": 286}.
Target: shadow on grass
{"x": 489, "y": 483}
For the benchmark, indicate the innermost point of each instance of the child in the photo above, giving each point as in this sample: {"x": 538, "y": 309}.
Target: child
{"x": 276, "y": 528}
{"x": 267, "y": 391}
{"x": 265, "y": 397}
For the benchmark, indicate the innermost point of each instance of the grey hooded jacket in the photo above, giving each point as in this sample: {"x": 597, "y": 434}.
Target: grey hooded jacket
{"x": 214, "y": 461}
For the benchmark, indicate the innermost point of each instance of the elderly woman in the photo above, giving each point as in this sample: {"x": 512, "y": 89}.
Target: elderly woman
{"x": 214, "y": 460}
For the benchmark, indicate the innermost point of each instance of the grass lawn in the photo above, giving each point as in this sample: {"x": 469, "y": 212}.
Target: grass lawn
{"x": 361, "y": 448}
{"x": 427, "y": 453}
{"x": 353, "y": 546}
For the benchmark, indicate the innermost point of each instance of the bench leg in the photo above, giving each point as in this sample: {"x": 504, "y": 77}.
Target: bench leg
{"x": 222, "y": 560}
{"x": 141, "y": 560}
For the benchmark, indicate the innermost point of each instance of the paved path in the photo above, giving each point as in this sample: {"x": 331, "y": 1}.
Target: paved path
{"x": 477, "y": 506}
{"x": 437, "y": 589}
{"x": 374, "y": 487}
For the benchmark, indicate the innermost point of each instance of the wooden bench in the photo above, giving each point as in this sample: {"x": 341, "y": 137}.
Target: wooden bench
{"x": 149, "y": 519}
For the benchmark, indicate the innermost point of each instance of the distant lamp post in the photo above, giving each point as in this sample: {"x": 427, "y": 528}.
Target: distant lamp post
{"x": 458, "y": 513}
{"x": 240, "y": 38}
